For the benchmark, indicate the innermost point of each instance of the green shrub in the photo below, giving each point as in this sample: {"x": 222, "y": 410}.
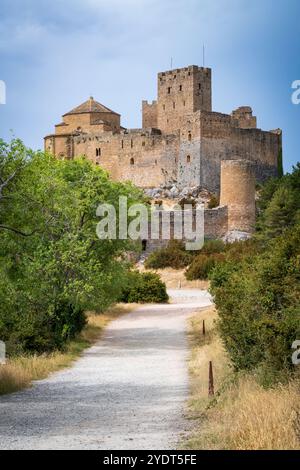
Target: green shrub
{"x": 213, "y": 246}
{"x": 257, "y": 289}
{"x": 240, "y": 250}
{"x": 173, "y": 256}
{"x": 202, "y": 265}
{"x": 41, "y": 333}
{"x": 258, "y": 305}
{"x": 177, "y": 257}
{"x": 144, "y": 288}
{"x": 220, "y": 274}
{"x": 213, "y": 202}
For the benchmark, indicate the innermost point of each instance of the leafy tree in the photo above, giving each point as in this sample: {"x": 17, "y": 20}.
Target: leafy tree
{"x": 53, "y": 266}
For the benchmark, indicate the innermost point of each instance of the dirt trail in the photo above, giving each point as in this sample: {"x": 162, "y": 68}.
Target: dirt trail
{"x": 128, "y": 391}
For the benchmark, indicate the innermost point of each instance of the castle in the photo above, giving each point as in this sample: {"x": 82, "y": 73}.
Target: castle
{"x": 182, "y": 141}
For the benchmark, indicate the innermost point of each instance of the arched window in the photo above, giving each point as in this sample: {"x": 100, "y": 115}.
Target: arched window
{"x": 188, "y": 159}
{"x": 97, "y": 153}
{"x": 190, "y": 136}
{"x": 132, "y": 161}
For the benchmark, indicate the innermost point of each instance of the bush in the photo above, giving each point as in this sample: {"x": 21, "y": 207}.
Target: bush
{"x": 257, "y": 289}
{"x": 202, "y": 265}
{"x": 173, "y": 256}
{"x": 258, "y": 304}
{"x": 213, "y": 246}
{"x": 41, "y": 333}
{"x": 144, "y": 288}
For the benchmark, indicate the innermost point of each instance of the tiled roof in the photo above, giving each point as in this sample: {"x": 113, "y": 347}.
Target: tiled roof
{"x": 90, "y": 106}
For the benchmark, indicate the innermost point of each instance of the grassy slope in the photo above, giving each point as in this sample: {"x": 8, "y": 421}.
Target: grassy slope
{"x": 242, "y": 415}
{"x": 19, "y": 372}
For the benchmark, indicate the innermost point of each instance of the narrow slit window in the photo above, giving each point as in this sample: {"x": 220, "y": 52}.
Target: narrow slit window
{"x": 132, "y": 161}
{"x": 188, "y": 159}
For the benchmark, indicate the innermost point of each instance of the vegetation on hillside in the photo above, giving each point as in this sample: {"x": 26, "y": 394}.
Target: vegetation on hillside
{"x": 175, "y": 255}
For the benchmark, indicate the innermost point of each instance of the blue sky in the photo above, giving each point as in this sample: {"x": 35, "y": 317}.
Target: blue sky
{"x": 55, "y": 54}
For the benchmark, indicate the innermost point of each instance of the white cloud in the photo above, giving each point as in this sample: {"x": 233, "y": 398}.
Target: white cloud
{"x": 17, "y": 35}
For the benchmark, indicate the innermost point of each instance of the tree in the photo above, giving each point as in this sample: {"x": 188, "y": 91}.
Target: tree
{"x": 53, "y": 266}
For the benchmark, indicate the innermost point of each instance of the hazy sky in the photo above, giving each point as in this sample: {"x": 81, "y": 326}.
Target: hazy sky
{"x": 55, "y": 54}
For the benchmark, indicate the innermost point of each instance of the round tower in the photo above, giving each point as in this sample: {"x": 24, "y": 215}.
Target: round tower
{"x": 238, "y": 194}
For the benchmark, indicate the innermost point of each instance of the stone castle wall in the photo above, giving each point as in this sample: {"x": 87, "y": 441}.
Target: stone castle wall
{"x": 147, "y": 158}
{"x": 181, "y": 92}
{"x": 181, "y": 141}
{"x": 220, "y": 140}
{"x": 238, "y": 194}
{"x": 149, "y": 114}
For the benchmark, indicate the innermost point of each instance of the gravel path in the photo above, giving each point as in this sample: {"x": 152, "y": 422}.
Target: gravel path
{"x": 126, "y": 392}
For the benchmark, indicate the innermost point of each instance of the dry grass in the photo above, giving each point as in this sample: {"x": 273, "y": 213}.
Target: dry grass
{"x": 243, "y": 416}
{"x": 174, "y": 278}
{"x": 19, "y": 372}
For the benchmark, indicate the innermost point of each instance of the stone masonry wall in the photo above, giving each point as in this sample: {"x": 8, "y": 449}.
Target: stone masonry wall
{"x": 181, "y": 92}
{"x": 189, "y": 171}
{"x": 238, "y": 194}
{"x": 220, "y": 140}
{"x": 215, "y": 226}
{"x": 146, "y": 158}
{"x": 149, "y": 111}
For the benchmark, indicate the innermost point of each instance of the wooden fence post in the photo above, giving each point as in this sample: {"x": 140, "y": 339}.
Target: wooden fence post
{"x": 211, "y": 389}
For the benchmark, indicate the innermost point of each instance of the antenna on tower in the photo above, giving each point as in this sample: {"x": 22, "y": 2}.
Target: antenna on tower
{"x": 171, "y": 63}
